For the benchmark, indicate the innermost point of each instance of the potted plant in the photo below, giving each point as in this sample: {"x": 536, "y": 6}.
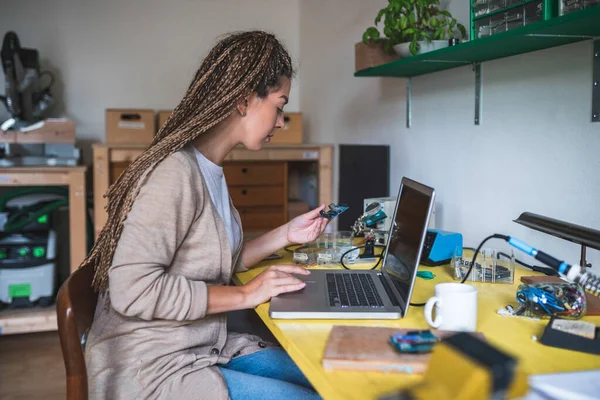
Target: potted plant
{"x": 415, "y": 26}
{"x": 373, "y": 52}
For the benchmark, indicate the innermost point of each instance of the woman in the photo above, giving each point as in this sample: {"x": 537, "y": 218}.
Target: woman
{"x": 164, "y": 260}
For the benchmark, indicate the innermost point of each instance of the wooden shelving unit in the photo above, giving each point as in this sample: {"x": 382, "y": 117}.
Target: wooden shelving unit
{"x": 110, "y": 159}
{"x": 40, "y": 319}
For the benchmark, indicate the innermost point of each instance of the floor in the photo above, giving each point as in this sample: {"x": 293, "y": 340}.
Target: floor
{"x": 31, "y": 367}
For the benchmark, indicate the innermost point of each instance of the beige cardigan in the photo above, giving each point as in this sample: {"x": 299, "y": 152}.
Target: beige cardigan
{"x": 151, "y": 337}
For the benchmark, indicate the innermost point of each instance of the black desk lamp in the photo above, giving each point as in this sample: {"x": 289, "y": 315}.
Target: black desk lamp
{"x": 586, "y": 237}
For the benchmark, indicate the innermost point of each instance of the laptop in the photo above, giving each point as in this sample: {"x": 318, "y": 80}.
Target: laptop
{"x": 360, "y": 294}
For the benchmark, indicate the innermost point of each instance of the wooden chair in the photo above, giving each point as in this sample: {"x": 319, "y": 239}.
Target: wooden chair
{"x": 75, "y": 308}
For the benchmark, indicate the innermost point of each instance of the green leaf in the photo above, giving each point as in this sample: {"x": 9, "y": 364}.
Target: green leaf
{"x": 373, "y": 33}
{"x": 446, "y": 13}
{"x": 379, "y": 15}
{"x": 434, "y": 23}
{"x": 463, "y": 31}
{"x": 413, "y": 48}
{"x": 427, "y": 36}
{"x": 403, "y": 22}
{"x": 439, "y": 33}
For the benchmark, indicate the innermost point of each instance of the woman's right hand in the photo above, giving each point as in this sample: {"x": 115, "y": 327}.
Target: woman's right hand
{"x": 274, "y": 280}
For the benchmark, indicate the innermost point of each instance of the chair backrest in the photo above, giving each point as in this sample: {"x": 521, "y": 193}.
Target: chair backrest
{"x": 75, "y": 308}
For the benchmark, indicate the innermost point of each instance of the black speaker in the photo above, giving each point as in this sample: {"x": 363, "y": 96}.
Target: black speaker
{"x": 364, "y": 172}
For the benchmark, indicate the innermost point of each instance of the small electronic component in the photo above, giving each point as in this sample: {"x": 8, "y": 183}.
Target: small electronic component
{"x": 373, "y": 214}
{"x": 414, "y": 341}
{"x": 306, "y": 256}
{"x": 334, "y": 211}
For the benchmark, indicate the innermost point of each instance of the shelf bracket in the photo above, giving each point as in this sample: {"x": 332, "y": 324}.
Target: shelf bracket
{"x": 477, "y": 69}
{"x": 408, "y": 103}
{"x": 596, "y": 82}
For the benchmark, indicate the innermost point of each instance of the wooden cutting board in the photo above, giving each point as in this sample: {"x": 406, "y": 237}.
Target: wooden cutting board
{"x": 593, "y": 302}
{"x": 362, "y": 348}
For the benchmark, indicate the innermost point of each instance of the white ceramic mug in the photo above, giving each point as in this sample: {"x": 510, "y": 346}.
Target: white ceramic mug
{"x": 455, "y": 307}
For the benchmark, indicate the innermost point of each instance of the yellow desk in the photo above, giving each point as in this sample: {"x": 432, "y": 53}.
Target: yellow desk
{"x": 305, "y": 340}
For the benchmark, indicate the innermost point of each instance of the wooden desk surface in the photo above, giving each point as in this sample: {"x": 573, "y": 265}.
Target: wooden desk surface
{"x": 305, "y": 340}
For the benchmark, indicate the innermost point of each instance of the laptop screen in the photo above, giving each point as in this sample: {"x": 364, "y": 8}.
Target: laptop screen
{"x": 406, "y": 237}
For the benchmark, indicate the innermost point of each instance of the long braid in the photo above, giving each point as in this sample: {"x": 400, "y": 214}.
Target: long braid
{"x": 240, "y": 64}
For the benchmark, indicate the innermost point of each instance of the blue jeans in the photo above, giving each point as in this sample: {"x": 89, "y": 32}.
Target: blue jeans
{"x": 265, "y": 375}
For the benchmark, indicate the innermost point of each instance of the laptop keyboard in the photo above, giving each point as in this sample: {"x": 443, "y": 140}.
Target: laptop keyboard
{"x": 352, "y": 290}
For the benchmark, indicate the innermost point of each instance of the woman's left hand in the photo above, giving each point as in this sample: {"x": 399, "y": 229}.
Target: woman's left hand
{"x": 306, "y": 227}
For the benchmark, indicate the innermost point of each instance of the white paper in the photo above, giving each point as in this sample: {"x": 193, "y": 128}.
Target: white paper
{"x": 581, "y": 385}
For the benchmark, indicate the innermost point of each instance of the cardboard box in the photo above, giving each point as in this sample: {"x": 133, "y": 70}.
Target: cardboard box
{"x": 51, "y": 130}
{"x": 163, "y": 115}
{"x": 116, "y": 169}
{"x": 130, "y": 126}
{"x": 371, "y": 55}
{"x": 292, "y": 132}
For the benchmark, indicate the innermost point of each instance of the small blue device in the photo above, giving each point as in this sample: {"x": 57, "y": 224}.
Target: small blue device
{"x": 373, "y": 214}
{"x": 334, "y": 211}
{"x": 439, "y": 247}
{"x": 414, "y": 341}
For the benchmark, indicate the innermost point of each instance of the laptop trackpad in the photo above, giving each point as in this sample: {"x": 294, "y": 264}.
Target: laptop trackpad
{"x": 310, "y": 288}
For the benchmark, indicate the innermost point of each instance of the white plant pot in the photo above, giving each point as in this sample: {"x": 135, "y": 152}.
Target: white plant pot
{"x": 403, "y": 49}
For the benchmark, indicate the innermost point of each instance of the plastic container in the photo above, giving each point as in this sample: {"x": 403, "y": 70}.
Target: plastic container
{"x": 516, "y": 17}
{"x": 491, "y": 265}
{"x": 549, "y": 299}
{"x": 569, "y": 6}
{"x": 306, "y": 256}
{"x": 333, "y": 245}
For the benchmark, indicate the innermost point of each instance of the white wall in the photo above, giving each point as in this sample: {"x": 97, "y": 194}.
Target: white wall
{"x": 135, "y": 53}
{"x": 536, "y": 149}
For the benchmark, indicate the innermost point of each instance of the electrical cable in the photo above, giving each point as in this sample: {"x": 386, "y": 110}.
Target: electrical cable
{"x": 573, "y": 273}
{"x": 287, "y": 248}
{"x": 537, "y": 268}
{"x": 15, "y": 222}
{"x": 360, "y": 247}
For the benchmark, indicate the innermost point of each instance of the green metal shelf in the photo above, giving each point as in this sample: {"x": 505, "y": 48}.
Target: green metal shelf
{"x": 570, "y": 28}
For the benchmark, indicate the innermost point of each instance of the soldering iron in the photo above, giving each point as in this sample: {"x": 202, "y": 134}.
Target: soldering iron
{"x": 573, "y": 273}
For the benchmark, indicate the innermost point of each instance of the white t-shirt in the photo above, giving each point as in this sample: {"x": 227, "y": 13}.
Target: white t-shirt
{"x": 217, "y": 187}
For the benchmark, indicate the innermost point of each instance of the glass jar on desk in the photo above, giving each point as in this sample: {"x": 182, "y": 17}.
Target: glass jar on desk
{"x": 333, "y": 246}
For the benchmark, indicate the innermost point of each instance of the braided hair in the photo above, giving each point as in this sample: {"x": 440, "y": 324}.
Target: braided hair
{"x": 239, "y": 65}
